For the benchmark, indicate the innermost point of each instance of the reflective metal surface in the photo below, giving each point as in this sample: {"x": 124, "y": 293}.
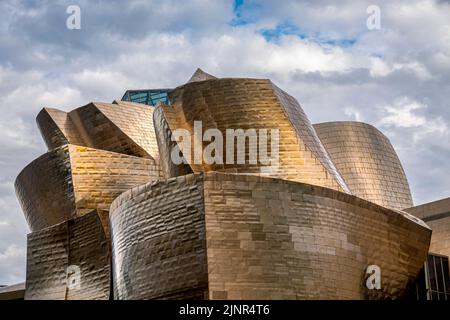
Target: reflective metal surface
{"x": 253, "y": 104}
{"x": 72, "y": 180}
{"x": 121, "y": 127}
{"x": 307, "y": 229}
{"x": 263, "y": 238}
{"x": 367, "y": 161}
{"x": 78, "y": 243}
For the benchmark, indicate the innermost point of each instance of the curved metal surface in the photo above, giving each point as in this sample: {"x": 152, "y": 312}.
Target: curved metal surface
{"x": 117, "y": 127}
{"x": 367, "y": 161}
{"x": 44, "y": 189}
{"x": 78, "y": 244}
{"x": 158, "y": 237}
{"x": 253, "y": 104}
{"x": 72, "y": 180}
{"x": 167, "y": 143}
{"x": 263, "y": 238}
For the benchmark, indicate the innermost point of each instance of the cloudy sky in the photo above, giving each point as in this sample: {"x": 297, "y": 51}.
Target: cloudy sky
{"x": 396, "y": 78}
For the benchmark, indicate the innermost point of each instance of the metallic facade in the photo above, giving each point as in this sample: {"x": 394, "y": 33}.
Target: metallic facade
{"x": 247, "y": 104}
{"x": 77, "y": 242}
{"x": 107, "y": 199}
{"x": 229, "y": 236}
{"x": 72, "y": 180}
{"x": 367, "y": 162}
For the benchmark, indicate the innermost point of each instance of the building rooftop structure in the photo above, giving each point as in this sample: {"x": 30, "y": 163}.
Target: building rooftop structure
{"x": 124, "y": 198}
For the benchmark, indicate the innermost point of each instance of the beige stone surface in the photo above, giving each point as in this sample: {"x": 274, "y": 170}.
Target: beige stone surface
{"x": 437, "y": 215}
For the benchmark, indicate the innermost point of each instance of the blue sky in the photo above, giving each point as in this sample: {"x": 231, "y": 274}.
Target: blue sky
{"x": 396, "y": 78}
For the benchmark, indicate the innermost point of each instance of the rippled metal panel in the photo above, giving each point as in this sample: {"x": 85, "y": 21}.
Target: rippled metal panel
{"x": 57, "y": 128}
{"x": 253, "y": 104}
{"x": 437, "y": 215}
{"x": 97, "y": 124}
{"x": 167, "y": 143}
{"x": 159, "y": 246}
{"x": 44, "y": 189}
{"x": 100, "y": 176}
{"x": 118, "y": 127}
{"x": 79, "y": 242}
{"x": 266, "y": 238}
{"x": 72, "y": 180}
{"x": 305, "y": 130}
{"x": 200, "y": 75}
{"x": 367, "y": 161}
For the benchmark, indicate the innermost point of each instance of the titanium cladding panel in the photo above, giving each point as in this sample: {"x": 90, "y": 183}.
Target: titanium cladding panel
{"x": 367, "y": 161}
{"x": 252, "y": 104}
{"x": 158, "y": 234}
{"x": 53, "y": 252}
{"x": 263, "y": 238}
{"x": 72, "y": 180}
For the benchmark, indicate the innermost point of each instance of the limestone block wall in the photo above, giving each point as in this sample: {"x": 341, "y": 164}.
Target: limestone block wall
{"x": 437, "y": 215}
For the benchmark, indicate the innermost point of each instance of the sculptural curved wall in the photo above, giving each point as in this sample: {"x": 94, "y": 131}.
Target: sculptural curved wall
{"x": 263, "y": 238}
{"x": 254, "y": 230}
{"x": 76, "y": 245}
{"x": 57, "y": 128}
{"x": 166, "y": 144}
{"x": 253, "y": 104}
{"x": 367, "y": 162}
{"x": 72, "y": 180}
{"x": 118, "y": 127}
{"x": 44, "y": 189}
{"x": 158, "y": 237}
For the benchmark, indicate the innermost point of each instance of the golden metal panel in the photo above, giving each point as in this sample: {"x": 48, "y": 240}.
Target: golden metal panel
{"x": 166, "y": 143}
{"x": 266, "y": 238}
{"x": 158, "y": 238}
{"x": 57, "y": 128}
{"x": 119, "y": 127}
{"x": 200, "y": 75}
{"x": 101, "y": 132}
{"x": 72, "y": 180}
{"x": 229, "y": 231}
{"x": 253, "y": 104}
{"x": 78, "y": 242}
{"x": 367, "y": 161}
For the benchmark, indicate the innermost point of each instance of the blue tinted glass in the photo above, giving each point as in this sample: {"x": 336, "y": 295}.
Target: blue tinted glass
{"x": 150, "y": 97}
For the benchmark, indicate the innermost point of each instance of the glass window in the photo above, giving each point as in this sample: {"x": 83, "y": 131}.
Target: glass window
{"x": 149, "y": 97}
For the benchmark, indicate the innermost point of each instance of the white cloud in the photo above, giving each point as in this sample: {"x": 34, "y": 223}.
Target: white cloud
{"x": 400, "y": 114}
